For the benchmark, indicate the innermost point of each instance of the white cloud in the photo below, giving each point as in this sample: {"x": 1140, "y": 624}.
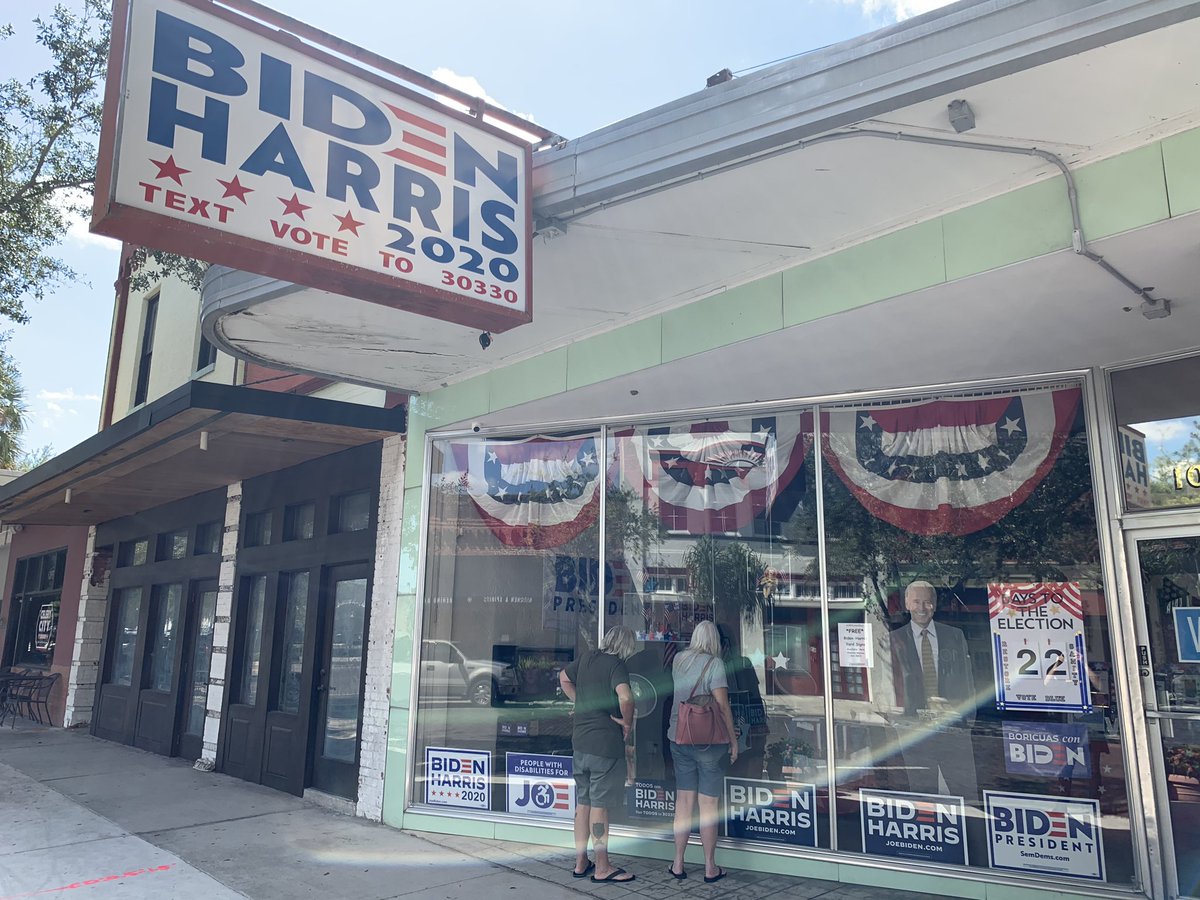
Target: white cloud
{"x": 1164, "y": 432}
{"x": 49, "y": 407}
{"x": 896, "y": 10}
{"x": 469, "y": 84}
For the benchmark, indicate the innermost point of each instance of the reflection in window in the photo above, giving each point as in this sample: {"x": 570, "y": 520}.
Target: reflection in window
{"x": 728, "y": 505}
{"x": 134, "y": 553}
{"x": 173, "y": 545}
{"x": 298, "y": 520}
{"x": 352, "y": 512}
{"x": 254, "y": 607}
{"x": 257, "y": 529}
{"x": 967, "y": 522}
{"x": 37, "y": 592}
{"x": 208, "y": 538}
{"x": 345, "y": 670}
{"x": 514, "y": 585}
{"x": 201, "y": 662}
{"x": 1158, "y": 433}
{"x": 962, "y": 513}
{"x": 295, "y": 616}
{"x": 128, "y": 604}
{"x": 163, "y": 634}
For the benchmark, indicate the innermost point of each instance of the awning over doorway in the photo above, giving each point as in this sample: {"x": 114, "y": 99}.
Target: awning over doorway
{"x": 155, "y": 455}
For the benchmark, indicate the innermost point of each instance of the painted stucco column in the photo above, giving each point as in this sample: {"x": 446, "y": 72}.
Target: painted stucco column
{"x": 84, "y": 676}
{"x": 381, "y": 631}
{"x": 220, "y": 652}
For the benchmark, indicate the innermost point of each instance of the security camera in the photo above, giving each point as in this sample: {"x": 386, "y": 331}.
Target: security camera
{"x": 485, "y": 339}
{"x": 476, "y": 427}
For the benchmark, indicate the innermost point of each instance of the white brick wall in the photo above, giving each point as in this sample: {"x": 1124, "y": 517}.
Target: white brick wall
{"x": 216, "y": 668}
{"x": 381, "y": 631}
{"x": 89, "y": 636}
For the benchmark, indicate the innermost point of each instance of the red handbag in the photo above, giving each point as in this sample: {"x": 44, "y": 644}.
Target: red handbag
{"x": 699, "y": 721}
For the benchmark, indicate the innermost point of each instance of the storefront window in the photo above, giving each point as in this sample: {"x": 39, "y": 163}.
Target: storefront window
{"x": 37, "y": 590}
{"x": 512, "y": 586}
{"x": 958, "y": 632}
{"x": 1158, "y": 433}
{"x": 986, "y": 733}
{"x": 716, "y": 520}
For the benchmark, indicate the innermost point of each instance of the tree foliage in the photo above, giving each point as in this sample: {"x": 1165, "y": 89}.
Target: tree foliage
{"x": 727, "y": 575}
{"x": 12, "y": 410}
{"x": 48, "y": 151}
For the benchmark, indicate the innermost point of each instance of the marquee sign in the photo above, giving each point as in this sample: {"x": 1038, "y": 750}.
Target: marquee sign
{"x": 230, "y": 141}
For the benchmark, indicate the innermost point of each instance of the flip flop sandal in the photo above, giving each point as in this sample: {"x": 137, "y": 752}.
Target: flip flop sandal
{"x": 721, "y": 873}
{"x": 613, "y": 879}
{"x": 584, "y": 874}
{"x": 678, "y": 877}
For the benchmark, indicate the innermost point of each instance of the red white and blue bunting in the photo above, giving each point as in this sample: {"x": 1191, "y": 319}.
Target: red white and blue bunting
{"x": 715, "y": 477}
{"x": 948, "y": 466}
{"x": 538, "y": 493}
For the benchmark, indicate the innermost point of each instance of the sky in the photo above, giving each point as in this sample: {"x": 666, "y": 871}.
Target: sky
{"x": 572, "y": 67}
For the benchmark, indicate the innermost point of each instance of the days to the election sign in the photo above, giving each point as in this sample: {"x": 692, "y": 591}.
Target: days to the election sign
{"x": 1038, "y": 657}
{"x": 914, "y": 826}
{"x": 1046, "y": 751}
{"x": 776, "y": 811}
{"x": 1050, "y": 835}
{"x": 540, "y": 785}
{"x": 455, "y": 777}
{"x": 233, "y": 141}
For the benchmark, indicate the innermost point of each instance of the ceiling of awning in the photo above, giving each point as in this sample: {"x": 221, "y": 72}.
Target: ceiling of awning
{"x": 630, "y": 259}
{"x": 155, "y": 455}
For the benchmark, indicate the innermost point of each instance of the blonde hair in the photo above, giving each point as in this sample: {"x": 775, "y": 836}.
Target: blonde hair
{"x": 620, "y": 642}
{"x": 706, "y": 639}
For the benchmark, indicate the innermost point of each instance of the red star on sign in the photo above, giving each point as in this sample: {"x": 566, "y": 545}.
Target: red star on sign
{"x": 170, "y": 170}
{"x": 293, "y": 206}
{"x": 348, "y": 223}
{"x": 234, "y": 188}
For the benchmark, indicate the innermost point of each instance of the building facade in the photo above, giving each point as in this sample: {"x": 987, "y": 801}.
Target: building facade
{"x": 900, "y": 332}
{"x": 871, "y": 317}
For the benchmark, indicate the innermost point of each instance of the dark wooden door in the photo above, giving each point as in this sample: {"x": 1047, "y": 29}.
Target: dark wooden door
{"x": 120, "y": 681}
{"x": 245, "y": 715}
{"x": 285, "y": 745}
{"x": 341, "y": 649}
{"x": 195, "y": 667}
{"x": 158, "y": 697}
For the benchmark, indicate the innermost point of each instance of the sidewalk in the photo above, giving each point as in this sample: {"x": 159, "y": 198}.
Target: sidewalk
{"x": 90, "y": 819}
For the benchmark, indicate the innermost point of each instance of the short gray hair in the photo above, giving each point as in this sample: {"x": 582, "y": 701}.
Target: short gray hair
{"x": 706, "y": 639}
{"x": 619, "y": 641}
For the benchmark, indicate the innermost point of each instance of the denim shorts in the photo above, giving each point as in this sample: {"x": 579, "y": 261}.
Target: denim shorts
{"x": 599, "y": 781}
{"x": 700, "y": 768}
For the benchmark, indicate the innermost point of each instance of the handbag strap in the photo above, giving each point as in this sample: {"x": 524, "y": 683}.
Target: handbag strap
{"x": 703, "y": 672}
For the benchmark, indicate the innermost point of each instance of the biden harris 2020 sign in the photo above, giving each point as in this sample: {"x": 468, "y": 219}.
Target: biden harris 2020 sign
{"x": 233, "y": 142}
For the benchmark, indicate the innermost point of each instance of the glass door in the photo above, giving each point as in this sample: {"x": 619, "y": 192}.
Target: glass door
{"x": 341, "y": 658}
{"x": 194, "y": 672}
{"x": 1169, "y": 664}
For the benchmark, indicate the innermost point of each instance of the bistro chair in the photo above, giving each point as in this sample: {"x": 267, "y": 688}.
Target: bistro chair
{"x": 11, "y": 691}
{"x": 38, "y": 703}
